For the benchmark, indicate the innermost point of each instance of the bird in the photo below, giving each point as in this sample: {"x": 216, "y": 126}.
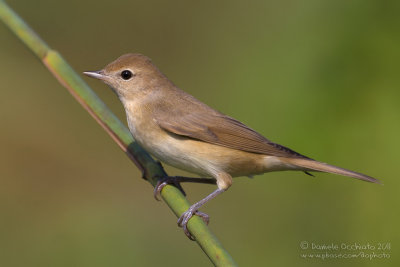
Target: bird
{"x": 181, "y": 131}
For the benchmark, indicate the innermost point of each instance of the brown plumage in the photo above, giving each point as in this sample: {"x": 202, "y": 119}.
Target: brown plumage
{"x": 186, "y": 133}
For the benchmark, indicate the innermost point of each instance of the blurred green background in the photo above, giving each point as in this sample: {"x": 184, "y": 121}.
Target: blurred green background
{"x": 321, "y": 77}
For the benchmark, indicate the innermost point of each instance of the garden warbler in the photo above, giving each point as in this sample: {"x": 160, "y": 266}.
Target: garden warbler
{"x": 185, "y": 133}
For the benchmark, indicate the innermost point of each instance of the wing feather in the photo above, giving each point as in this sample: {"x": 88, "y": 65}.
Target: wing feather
{"x": 219, "y": 129}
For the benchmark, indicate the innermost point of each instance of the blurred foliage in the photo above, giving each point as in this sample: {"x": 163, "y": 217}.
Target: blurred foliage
{"x": 318, "y": 76}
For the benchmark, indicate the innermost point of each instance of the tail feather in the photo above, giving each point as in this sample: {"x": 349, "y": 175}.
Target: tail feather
{"x": 312, "y": 165}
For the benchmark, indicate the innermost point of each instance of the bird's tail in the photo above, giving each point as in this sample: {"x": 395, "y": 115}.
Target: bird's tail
{"x": 312, "y": 165}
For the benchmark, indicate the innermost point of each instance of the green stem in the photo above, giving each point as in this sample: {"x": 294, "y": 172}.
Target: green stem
{"x": 116, "y": 129}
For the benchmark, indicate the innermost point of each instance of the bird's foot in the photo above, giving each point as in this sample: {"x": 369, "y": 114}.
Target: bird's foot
{"x": 187, "y": 215}
{"x": 165, "y": 181}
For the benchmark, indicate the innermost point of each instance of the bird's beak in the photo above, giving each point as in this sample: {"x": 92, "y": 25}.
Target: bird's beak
{"x": 95, "y": 74}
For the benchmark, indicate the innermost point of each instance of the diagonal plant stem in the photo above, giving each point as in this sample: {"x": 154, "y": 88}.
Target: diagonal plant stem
{"x": 151, "y": 169}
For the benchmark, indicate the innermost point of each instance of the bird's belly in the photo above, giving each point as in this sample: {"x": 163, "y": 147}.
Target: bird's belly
{"x": 179, "y": 155}
{"x": 202, "y": 158}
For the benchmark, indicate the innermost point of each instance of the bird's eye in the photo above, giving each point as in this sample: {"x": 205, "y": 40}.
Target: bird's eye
{"x": 126, "y": 74}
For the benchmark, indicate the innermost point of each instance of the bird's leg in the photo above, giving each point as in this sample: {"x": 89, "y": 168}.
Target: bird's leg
{"x": 193, "y": 210}
{"x": 176, "y": 180}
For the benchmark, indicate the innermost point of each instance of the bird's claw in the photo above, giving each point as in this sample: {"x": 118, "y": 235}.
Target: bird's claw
{"x": 186, "y": 216}
{"x": 165, "y": 181}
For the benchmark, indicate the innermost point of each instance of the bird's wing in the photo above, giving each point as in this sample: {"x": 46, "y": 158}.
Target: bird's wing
{"x": 219, "y": 129}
